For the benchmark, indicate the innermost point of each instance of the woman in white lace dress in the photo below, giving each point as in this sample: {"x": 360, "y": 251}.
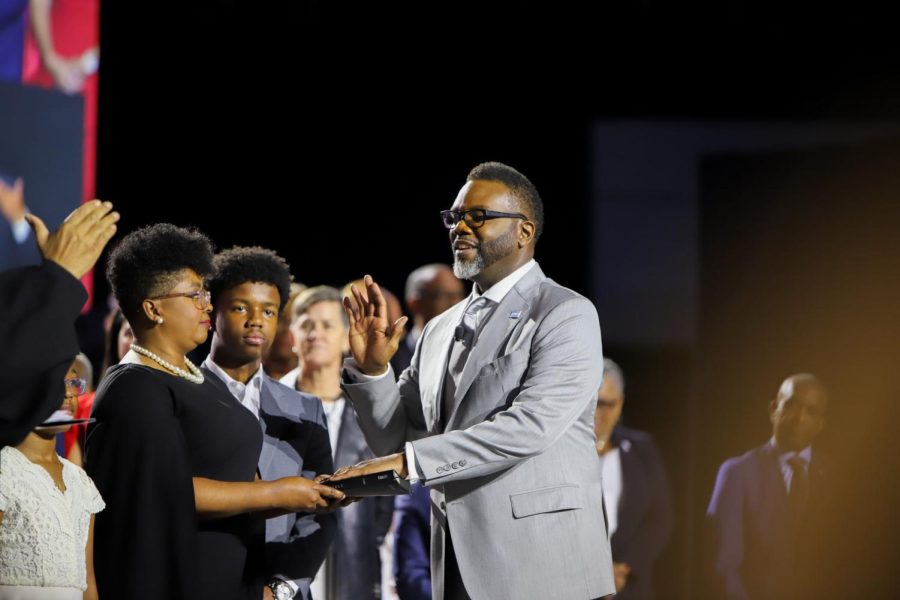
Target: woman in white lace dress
{"x": 47, "y": 508}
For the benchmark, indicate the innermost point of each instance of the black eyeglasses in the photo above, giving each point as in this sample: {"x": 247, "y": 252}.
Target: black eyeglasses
{"x": 475, "y": 217}
{"x": 201, "y": 297}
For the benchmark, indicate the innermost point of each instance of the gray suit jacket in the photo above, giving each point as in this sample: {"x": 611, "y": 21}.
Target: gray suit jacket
{"x": 515, "y": 474}
{"x": 295, "y": 442}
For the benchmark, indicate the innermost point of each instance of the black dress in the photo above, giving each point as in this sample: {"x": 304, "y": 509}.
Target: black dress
{"x": 154, "y": 432}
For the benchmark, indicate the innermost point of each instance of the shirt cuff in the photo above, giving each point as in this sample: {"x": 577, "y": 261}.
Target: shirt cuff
{"x": 20, "y": 231}
{"x": 294, "y": 587}
{"x": 360, "y": 377}
{"x": 412, "y": 466}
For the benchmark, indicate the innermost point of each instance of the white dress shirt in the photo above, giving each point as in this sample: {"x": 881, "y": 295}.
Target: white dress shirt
{"x": 290, "y": 378}
{"x": 334, "y": 411}
{"x": 246, "y": 393}
{"x": 611, "y": 469}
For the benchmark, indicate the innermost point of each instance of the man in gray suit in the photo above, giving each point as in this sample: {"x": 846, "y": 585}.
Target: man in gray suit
{"x": 248, "y": 291}
{"x": 495, "y": 412}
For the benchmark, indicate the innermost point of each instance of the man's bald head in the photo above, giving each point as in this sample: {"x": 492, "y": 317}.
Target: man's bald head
{"x": 798, "y": 411}
{"x": 430, "y": 290}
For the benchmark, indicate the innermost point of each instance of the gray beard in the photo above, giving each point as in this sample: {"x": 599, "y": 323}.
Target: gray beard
{"x": 467, "y": 269}
{"x": 486, "y": 254}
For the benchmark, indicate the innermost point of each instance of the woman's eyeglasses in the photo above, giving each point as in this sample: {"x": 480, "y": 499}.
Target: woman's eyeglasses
{"x": 201, "y": 297}
{"x": 77, "y": 384}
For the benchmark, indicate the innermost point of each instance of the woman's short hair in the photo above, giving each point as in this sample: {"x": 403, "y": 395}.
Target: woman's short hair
{"x": 314, "y": 295}
{"x": 149, "y": 262}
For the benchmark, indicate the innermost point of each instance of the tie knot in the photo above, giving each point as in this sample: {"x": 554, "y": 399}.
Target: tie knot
{"x": 476, "y": 305}
{"x": 466, "y": 329}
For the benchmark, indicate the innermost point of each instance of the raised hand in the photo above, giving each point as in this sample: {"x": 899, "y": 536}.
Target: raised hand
{"x": 373, "y": 340}
{"x": 77, "y": 244}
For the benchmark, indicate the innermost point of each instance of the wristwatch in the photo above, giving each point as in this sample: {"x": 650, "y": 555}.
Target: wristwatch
{"x": 280, "y": 589}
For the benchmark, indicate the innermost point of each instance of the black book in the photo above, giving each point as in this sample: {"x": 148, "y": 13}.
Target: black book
{"x": 383, "y": 483}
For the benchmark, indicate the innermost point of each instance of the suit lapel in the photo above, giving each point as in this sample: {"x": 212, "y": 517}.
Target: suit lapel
{"x": 816, "y": 475}
{"x": 433, "y": 359}
{"x": 267, "y": 406}
{"x": 632, "y": 479}
{"x": 513, "y": 310}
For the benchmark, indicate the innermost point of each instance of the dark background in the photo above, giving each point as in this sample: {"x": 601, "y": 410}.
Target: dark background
{"x": 338, "y": 129}
{"x": 335, "y": 132}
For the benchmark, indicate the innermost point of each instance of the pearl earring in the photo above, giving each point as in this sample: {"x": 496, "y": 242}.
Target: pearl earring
{"x": 159, "y": 320}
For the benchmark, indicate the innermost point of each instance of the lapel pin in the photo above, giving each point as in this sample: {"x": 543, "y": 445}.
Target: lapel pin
{"x": 515, "y": 314}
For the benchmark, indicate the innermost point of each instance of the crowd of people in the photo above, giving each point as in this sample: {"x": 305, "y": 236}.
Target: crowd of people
{"x": 498, "y": 405}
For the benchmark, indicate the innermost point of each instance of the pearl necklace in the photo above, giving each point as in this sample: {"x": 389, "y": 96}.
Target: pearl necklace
{"x": 195, "y": 376}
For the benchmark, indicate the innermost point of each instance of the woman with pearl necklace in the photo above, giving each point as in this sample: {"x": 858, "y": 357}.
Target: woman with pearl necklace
{"x": 175, "y": 455}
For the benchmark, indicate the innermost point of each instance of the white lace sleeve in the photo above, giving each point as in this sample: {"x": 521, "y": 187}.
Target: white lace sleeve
{"x": 4, "y": 502}
{"x": 93, "y": 502}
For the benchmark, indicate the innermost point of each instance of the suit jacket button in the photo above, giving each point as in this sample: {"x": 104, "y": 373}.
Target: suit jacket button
{"x": 443, "y": 505}
{"x": 462, "y": 463}
{"x": 455, "y": 465}
{"x": 440, "y": 469}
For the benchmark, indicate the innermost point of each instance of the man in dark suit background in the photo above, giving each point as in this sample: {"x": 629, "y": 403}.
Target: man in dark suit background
{"x": 249, "y": 289}
{"x": 430, "y": 290}
{"x": 635, "y": 488}
{"x": 765, "y": 511}
{"x": 412, "y": 540}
